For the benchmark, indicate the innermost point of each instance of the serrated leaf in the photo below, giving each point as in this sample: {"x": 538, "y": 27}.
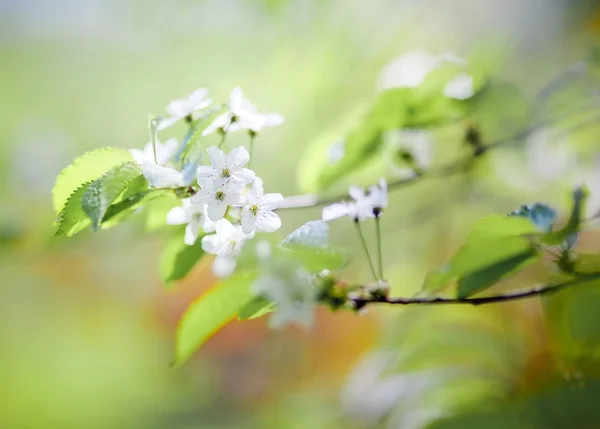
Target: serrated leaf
{"x": 314, "y": 233}
{"x": 177, "y": 258}
{"x": 258, "y": 307}
{"x": 315, "y": 260}
{"x": 209, "y": 313}
{"x": 480, "y": 280}
{"x": 86, "y": 168}
{"x": 120, "y": 211}
{"x": 104, "y": 191}
{"x": 475, "y": 256}
{"x": 72, "y": 219}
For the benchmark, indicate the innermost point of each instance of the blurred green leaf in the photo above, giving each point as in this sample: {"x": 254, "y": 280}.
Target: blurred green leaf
{"x": 256, "y": 308}
{"x": 104, "y": 191}
{"x": 88, "y": 167}
{"x": 177, "y": 258}
{"x": 578, "y": 198}
{"x": 72, "y": 219}
{"x": 316, "y": 260}
{"x": 501, "y": 226}
{"x": 481, "y": 279}
{"x": 476, "y": 256}
{"x": 209, "y": 313}
{"x": 500, "y": 110}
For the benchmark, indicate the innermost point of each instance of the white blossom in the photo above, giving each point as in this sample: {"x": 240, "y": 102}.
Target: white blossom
{"x": 242, "y": 114}
{"x": 460, "y": 88}
{"x": 184, "y": 107}
{"x": 258, "y": 210}
{"x": 228, "y": 167}
{"x": 164, "y": 152}
{"x": 411, "y": 69}
{"x": 227, "y": 243}
{"x": 218, "y": 194}
{"x": 359, "y": 209}
{"x": 378, "y": 195}
{"x": 294, "y": 296}
{"x": 194, "y": 215}
{"x": 162, "y": 177}
{"x": 409, "y": 149}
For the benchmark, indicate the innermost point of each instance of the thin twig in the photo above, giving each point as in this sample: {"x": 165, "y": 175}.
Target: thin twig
{"x": 513, "y": 296}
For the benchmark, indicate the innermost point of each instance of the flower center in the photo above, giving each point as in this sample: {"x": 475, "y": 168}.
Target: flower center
{"x": 220, "y": 195}
{"x": 226, "y": 172}
{"x": 254, "y": 209}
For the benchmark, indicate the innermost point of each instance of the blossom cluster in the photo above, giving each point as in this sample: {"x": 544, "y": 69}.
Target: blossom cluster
{"x": 364, "y": 205}
{"x": 227, "y": 203}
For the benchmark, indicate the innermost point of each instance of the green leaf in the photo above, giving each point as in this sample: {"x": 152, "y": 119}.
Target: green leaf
{"x": 177, "y": 258}
{"x": 104, "y": 191}
{"x": 500, "y": 110}
{"x": 258, "y": 307}
{"x": 209, "y": 313}
{"x": 88, "y": 167}
{"x": 500, "y": 226}
{"x": 481, "y": 279}
{"x": 72, "y": 219}
{"x": 476, "y": 256}
{"x": 314, "y": 233}
{"x": 316, "y": 260}
{"x": 579, "y": 198}
{"x": 121, "y": 210}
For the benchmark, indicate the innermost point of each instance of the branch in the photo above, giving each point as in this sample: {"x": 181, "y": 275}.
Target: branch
{"x": 513, "y": 296}
{"x": 446, "y": 170}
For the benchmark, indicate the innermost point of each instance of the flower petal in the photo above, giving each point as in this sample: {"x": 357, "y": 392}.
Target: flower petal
{"x": 138, "y": 155}
{"x": 238, "y": 157}
{"x": 177, "y": 216}
{"x": 191, "y": 232}
{"x": 257, "y": 191}
{"x": 271, "y": 201}
{"x": 161, "y": 177}
{"x": 248, "y": 221}
{"x": 268, "y": 221}
{"x": 223, "y": 266}
{"x": 272, "y": 119}
{"x": 335, "y": 211}
{"x": 217, "y": 157}
{"x": 206, "y": 171}
{"x": 220, "y": 121}
{"x": 216, "y": 210}
{"x": 356, "y": 193}
{"x": 244, "y": 175}
{"x": 236, "y": 98}
{"x": 211, "y": 244}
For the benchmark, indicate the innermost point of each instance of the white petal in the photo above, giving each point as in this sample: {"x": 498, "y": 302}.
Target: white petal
{"x": 236, "y": 99}
{"x": 257, "y": 191}
{"x": 206, "y": 171}
{"x": 197, "y": 97}
{"x": 460, "y": 88}
{"x": 248, "y": 221}
{"x": 211, "y": 244}
{"x": 216, "y": 210}
{"x": 161, "y": 177}
{"x": 165, "y": 123}
{"x": 272, "y": 119}
{"x": 233, "y": 198}
{"x": 271, "y": 201}
{"x": 268, "y": 221}
{"x": 244, "y": 175}
{"x": 223, "y": 266}
{"x": 356, "y": 193}
{"x": 138, "y": 155}
{"x": 238, "y": 157}
{"x": 217, "y": 157}
{"x": 177, "y": 216}
{"x": 225, "y": 229}
{"x": 220, "y": 121}
{"x": 178, "y": 108}
{"x": 191, "y": 233}
{"x": 335, "y": 211}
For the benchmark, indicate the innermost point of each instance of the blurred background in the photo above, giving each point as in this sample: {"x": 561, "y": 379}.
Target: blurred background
{"x": 87, "y": 328}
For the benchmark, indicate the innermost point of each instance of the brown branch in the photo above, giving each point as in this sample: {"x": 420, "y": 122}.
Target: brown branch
{"x": 359, "y": 303}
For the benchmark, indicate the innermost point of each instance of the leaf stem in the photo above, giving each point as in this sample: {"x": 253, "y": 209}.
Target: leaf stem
{"x": 223, "y": 137}
{"x": 379, "y": 253}
{"x": 513, "y": 296}
{"x": 364, "y": 244}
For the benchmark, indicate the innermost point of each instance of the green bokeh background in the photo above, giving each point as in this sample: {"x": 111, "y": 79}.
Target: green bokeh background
{"x": 86, "y": 327}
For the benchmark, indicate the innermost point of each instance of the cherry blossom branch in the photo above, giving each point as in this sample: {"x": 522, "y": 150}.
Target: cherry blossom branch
{"x": 456, "y": 166}
{"x": 360, "y": 303}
